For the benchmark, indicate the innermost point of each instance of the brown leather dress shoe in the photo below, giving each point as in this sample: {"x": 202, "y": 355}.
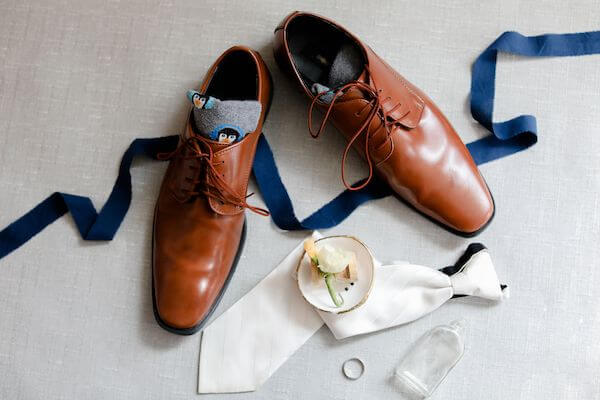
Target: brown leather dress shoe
{"x": 199, "y": 223}
{"x": 403, "y": 136}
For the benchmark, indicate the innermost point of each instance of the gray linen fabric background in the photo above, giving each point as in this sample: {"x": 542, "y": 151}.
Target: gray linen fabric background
{"x": 80, "y": 79}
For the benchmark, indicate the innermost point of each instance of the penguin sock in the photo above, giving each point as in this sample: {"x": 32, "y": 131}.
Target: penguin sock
{"x": 224, "y": 121}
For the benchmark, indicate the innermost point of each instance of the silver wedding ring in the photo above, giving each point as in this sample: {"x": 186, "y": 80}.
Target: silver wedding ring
{"x": 353, "y": 368}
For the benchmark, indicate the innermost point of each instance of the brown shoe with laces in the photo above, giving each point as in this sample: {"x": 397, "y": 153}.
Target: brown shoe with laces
{"x": 403, "y": 136}
{"x": 199, "y": 223}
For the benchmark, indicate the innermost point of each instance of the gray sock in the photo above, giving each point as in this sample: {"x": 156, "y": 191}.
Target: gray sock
{"x": 227, "y": 121}
{"x": 347, "y": 64}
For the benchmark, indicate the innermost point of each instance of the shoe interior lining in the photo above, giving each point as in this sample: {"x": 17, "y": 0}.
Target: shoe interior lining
{"x": 236, "y": 78}
{"x": 322, "y": 53}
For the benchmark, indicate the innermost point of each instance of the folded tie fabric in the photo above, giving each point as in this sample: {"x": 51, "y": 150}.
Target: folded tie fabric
{"x": 242, "y": 348}
{"x": 405, "y": 292}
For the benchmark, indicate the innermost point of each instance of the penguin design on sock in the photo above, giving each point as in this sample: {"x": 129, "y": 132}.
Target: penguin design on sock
{"x": 224, "y": 121}
{"x": 226, "y": 133}
{"x": 201, "y": 101}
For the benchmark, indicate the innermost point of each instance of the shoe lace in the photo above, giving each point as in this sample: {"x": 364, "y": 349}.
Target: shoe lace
{"x": 376, "y": 110}
{"x": 214, "y": 186}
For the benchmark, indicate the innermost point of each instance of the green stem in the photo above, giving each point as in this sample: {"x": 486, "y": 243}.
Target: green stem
{"x": 337, "y": 298}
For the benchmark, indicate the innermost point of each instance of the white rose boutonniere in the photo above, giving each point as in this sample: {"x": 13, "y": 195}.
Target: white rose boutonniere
{"x": 333, "y": 260}
{"x": 327, "y": 262}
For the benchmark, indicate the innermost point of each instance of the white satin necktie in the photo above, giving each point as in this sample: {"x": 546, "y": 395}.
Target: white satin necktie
{"x": 244, "y": 346}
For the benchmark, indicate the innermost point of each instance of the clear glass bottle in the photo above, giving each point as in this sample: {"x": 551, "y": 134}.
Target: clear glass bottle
{"x": 428, "y": 362}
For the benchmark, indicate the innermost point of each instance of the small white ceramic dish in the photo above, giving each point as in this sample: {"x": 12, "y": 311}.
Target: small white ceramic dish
{"x": 354, "y": 294}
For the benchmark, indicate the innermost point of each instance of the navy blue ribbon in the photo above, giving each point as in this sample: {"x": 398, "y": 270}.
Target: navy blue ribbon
{"x": 506, "y": 138}
{"x": 519, "y": 133}
{"x": 91, "y": 224}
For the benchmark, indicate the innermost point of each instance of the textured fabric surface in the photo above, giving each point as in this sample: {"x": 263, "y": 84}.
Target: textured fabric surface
{"x": 241, "y": 114}
{"x": 347, "y": 64}
{"x": 80, "y": 80}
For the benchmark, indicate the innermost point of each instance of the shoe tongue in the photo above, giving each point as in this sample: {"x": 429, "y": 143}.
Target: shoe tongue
{"x": 352, "y": 93}
{"x": 223, "y": 121}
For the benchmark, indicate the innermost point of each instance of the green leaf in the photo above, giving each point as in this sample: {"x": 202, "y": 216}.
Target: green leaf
{"x": 336, "y": 297}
